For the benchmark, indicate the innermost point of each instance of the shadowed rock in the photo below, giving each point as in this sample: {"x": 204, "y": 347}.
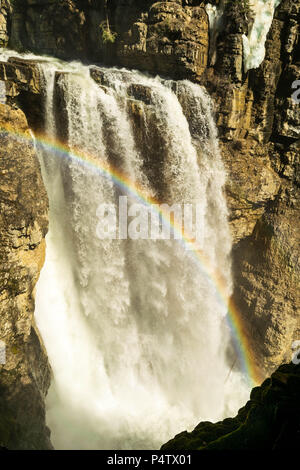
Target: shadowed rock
{"x": 269, "y": 421}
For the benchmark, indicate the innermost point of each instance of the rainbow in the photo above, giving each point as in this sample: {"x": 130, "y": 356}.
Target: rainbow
{"x": 234, "y": 318}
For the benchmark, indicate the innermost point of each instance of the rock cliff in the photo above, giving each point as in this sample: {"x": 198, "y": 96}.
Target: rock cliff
{"x": 260, "y": 129}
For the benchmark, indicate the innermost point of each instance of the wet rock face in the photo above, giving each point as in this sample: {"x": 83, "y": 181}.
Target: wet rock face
{"x": 269, "y": 421}
{"x": 25, "y": 375}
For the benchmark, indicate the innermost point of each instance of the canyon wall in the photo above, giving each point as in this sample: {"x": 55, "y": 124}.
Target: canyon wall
{"x": 259, "y": 127}
{"x": 25, "y": 375}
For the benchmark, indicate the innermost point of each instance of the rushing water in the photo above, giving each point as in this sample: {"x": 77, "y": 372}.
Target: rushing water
{"x": 134, "y": 329}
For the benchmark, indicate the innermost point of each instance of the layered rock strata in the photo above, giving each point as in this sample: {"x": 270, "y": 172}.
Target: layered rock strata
{"x": 24, "y": 369}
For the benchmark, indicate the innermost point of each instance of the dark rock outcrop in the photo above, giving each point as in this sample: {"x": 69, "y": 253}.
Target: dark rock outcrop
{"x": 269, "y": 421}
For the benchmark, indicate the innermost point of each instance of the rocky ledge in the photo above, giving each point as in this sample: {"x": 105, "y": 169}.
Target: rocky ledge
{"x": 269, "y": 421}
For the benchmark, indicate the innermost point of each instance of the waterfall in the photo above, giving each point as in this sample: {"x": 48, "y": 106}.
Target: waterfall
{"x": 135, "y": 330}
{"x": 216, "y": 24}
{"x": 254, "y": 44}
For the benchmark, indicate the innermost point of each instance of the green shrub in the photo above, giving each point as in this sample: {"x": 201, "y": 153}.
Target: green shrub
{"x": 108, "y": 36}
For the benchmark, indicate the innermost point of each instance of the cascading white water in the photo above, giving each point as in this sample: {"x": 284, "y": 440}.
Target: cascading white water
{"x": 215, "y": 16}
{"x": 254, "y": 44}
{"x": 134, "y": 329}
